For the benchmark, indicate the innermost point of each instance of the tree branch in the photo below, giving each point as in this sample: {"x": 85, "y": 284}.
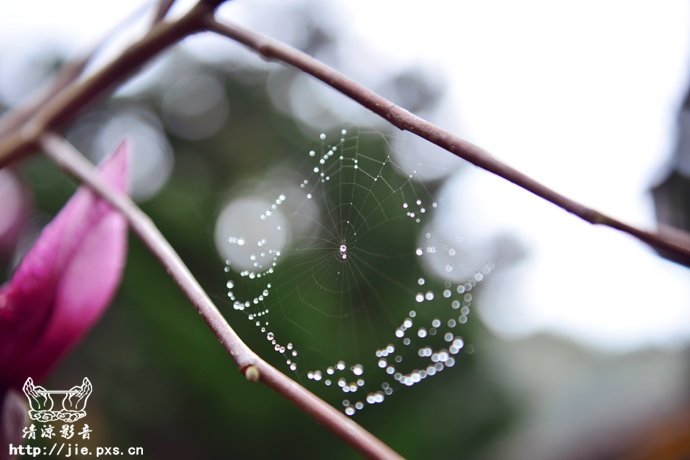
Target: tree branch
{"x": 16, "y": 117}
{"x": 401, "y": 118}
{"x": 69, "y": 159}
{"x": 162, "y": 8}
{"x": 66, "y": 75}
{"x": 62, "y": 108}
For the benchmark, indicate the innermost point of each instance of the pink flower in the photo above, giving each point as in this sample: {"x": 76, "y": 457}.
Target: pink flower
{"x": 66, "y": 280}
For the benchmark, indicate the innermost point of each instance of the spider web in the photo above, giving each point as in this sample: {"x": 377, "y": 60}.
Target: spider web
{"x": 337, "y": 263}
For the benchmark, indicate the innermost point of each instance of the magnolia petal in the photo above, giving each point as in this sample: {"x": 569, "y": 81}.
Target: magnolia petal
{"x": 86, "y": 289}
{"x": 65, "y": 281}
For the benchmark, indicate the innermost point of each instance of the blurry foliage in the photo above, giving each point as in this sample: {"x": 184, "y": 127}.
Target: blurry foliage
{"x": 161, "y": 380}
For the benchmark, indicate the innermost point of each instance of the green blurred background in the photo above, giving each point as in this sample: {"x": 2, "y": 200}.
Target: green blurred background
{"x": 161, "y": 380}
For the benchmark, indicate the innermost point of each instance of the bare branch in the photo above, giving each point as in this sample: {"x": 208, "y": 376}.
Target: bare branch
{"x": 67, "y": 104}
{"x": 69, "y": 159}
{"x": 67, "y": 74}
{"x": 13, "y": 119}
{"x": 401, "y": 118}
{"x": 162, "y": 8}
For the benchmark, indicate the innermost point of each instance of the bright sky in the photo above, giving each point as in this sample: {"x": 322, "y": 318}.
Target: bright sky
{"x": 581, "y": 95}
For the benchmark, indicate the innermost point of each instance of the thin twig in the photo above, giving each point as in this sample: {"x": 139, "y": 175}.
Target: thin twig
{"x": 15, "y": 118}
{"x": 67, "y": 74}
{"x": 401, "y": 118}
{"x": 69, "y": 102}
{"x": 69, "y": 159}
{"x": 162, "y": 8}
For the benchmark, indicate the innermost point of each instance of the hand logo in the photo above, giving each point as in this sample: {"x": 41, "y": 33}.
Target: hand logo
{"x": 76, "y": 397}
{"x": 39, "y": 398}
{"x": 73, "y": 404}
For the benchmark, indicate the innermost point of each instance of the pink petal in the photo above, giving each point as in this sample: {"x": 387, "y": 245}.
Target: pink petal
{"x": 66, "y": 281}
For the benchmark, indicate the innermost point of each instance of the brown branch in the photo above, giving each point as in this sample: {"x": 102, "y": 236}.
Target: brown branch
{"x": 15, "y": 118}
{"x": 401, "y": 118}
{"x": 162, "y": 8}
{"x": 66, "y": 75}
{"x": 69, "y": 159}
{"x": 69, "y": 102}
